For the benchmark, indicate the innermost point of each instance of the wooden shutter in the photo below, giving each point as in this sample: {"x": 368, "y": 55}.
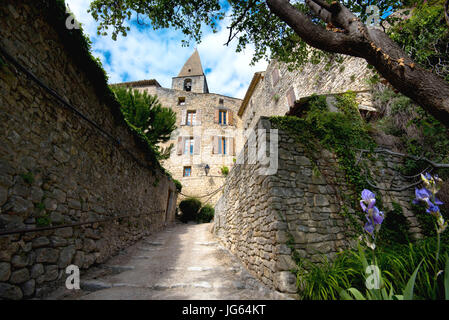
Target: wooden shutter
{"x": 215, "y": 145}
{"x": 231, "y": 146}
{"x": 217, "y": 115}
{"x": 180, "y": 145}
{"x": 183, "y": 117}
{"x": 291, "y": 97}
{"x": 230, "y": 118}
{"x": 197, "y": 145}
{"x": 198, "y": 118}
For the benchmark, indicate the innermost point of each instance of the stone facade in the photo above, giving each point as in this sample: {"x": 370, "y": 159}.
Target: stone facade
{"x": 58, "y": 169}
{"x": 261, "y": 218}
{"x": 274, "y": 91}
{"x": 205, "y": 130}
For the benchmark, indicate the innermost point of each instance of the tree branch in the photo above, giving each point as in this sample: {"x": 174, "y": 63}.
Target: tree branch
{"x": 432, "y": 163}
{"x": 237, "y": 21}
{"x": 446, "y": 12}
{"x": 313, "y": 34}
{"x": 424, "y": 87}
{"x": 392, "y": 189}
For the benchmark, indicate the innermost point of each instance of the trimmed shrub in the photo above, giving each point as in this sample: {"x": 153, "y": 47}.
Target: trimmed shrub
{"x": 206, "y": 214}
{"x": 189, "y": 209}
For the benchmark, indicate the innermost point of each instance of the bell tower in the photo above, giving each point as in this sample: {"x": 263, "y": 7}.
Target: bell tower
{"x": 192, "y": 77}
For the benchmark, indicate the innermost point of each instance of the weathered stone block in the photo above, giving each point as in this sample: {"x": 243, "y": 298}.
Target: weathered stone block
{"x": 66, "y": 256}
{"x": 5, "y": 271}
{"x": 40, "y": 242}
{"x": 37, "y": 270}
{"x": 10, "y": 292}
{"x": 51, "y": 273}
{"x": 28, "y": 288}
{"x": 20, "y": 276}
{"x": 47, "y": 255}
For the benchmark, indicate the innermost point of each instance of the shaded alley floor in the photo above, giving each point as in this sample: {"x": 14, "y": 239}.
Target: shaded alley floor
{"x": 182, "y": 262}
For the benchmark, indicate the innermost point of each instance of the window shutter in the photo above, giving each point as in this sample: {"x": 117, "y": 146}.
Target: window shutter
{"x": 231, "y": 118}
{"x": 198, "y": 118}
{"x": 197, "y": 145}
{"x": 291, "y": 97}
{"x": 180, "y": 145}
{"x": 217, "y": 115}
{"x": 183, "y": 117}
{"x": 231, "y": 146}
{"x": 215, "y": 145}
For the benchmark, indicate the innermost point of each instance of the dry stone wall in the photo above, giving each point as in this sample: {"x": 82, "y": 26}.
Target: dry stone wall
{"x": 57, "y": 169}
{"x": 262, "y": 218}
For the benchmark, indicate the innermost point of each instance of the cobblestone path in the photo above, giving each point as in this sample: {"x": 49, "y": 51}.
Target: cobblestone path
{"x": 181, "y": 262}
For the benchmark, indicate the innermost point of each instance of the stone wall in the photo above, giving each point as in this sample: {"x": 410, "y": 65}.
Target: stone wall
{"x": 269, "y": 97}
{"x": 58, "y": 169}
{"x": 300, "y": 204}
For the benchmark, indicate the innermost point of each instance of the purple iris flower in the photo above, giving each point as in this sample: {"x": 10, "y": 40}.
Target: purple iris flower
{"x": 422, "y": 195}
{"x": 368, "y": 200}
{"x": 369, "y": 227}
{"x": 378, "y": 216}
{"x": 433, "y": 209}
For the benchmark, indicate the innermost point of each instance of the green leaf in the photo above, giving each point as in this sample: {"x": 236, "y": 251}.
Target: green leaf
{"x": 446, "y": 278}
{"x": 408, "y": 291}
{"x": 357, "y": 294}
{"x": 345, "y": 295}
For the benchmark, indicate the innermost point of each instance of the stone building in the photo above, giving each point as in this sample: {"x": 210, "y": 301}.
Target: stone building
{"x": 275, "y": 91}
{"x": 207, "y": 133}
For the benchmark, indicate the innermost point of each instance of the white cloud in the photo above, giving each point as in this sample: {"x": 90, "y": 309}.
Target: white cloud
{"x": 148, "y": 54}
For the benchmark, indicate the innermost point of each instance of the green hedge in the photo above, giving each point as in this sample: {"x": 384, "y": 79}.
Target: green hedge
{"x": 189, "y": 209}
{"x": 206, "y": 214}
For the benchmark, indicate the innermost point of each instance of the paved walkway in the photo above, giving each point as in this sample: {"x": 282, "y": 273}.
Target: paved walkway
{"x": 182, "y": 262}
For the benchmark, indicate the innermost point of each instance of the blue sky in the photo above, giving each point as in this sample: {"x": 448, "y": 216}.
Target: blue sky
{"x": 149, "y": 54}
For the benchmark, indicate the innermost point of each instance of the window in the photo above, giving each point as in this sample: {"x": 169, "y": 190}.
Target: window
{"x": 181, "y": 101}
{"x": 188, "y": 85}
{"x": 220, "y": 101}
{"x": 222, "y": 117}
{"x": 189, "y": 145}
{"x": 222, "y": 145}
{"x": 191, "y": 118}
{"x": 187, "y": 172}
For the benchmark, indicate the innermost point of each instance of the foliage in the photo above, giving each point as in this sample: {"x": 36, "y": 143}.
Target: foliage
{"x": 420, "y": 134}
{"x": 28, "y": 177}
{"x": 178, "y": 185}
{"x": 224, "y": 170}
{"x": 396, "y": 227}
{"x": 251, "y": 22}
{"x": 145, "y": 114}
{"x": 323, "y": 281}
{"x": 189, "y": 208}
{"x": 206, "y": 214}
{"x": 425, "y": 37}
{"x": 341, "y": 132}
{"x": 43, "y": 221}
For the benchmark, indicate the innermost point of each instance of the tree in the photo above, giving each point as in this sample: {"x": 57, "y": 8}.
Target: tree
{"x": 145, "y": 114}
{"x": 286, "y": 29}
